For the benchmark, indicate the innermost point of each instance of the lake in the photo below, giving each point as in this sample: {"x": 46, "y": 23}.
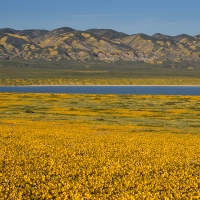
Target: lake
{"x": 152, "y": 90}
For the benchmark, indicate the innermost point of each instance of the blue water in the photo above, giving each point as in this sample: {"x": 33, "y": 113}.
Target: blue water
{"x": 152, "y": 90}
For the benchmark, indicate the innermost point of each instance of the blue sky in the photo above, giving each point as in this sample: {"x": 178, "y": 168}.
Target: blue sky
{"x": 128, "y": 16}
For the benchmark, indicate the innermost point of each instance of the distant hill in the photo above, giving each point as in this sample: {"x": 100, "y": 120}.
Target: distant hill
{"x": 107, "y": 33}
{"x": 97, "y": 44}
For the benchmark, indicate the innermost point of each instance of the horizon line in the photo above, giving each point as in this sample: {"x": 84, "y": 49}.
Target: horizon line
{"x": 96, "y": 29}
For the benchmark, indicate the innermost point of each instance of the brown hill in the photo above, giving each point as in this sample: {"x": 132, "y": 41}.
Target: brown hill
{"x": 96, "y": 44}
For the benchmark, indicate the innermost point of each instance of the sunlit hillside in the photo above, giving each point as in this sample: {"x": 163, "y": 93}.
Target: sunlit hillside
{"x": 97, "y": 44}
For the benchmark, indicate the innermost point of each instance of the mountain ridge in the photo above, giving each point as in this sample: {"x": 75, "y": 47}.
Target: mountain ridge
{"x": 97, "y": 44}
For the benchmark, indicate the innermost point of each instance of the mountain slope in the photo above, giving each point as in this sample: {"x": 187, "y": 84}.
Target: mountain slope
{"x": 107, "y": 33}
{"x": 96, "y": 44}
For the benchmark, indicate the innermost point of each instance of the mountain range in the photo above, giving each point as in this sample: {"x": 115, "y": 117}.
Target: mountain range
{"x": 97, "y": 44}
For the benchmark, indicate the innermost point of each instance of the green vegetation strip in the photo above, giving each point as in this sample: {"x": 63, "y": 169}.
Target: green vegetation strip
{"x": 97, "y": 73}
{"x": 165, "y": 112}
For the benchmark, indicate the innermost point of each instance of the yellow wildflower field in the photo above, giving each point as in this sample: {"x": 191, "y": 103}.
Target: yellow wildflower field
{"x": 61, "y": 146}
{"x": 100, "y": 81}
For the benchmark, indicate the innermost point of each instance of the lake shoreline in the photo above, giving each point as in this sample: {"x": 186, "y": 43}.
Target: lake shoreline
{"x": 106, "y": 89}
{"x": 100, "y": 85}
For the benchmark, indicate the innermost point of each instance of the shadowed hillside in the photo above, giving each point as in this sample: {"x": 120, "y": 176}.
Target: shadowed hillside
{"x": 97, "y": 44}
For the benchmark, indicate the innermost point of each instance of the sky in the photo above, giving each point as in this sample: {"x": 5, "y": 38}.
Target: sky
{"x": 170, "y": 17}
